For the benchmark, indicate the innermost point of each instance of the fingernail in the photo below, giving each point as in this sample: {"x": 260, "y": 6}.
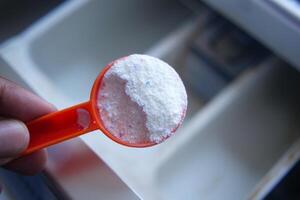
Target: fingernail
{"x": 14, "y": 137}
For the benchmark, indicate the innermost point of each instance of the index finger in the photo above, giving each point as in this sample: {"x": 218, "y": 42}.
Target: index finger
{"x": 18, "y": 103}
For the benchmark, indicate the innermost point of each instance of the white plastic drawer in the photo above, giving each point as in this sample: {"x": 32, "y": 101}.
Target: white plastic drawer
{"x": 223, "y": 150}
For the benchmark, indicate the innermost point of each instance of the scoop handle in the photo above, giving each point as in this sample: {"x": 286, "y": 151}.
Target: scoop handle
{"x": 59, "y": 126}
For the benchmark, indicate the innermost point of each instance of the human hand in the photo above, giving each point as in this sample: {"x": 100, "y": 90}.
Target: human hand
{"x": 17, "y": 106}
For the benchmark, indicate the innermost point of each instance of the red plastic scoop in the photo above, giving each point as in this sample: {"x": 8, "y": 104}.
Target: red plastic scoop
{"x": 71, "y": 122}
{"x": 85, "y": 117}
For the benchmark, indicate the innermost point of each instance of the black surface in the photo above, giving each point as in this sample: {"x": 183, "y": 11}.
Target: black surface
{"x": 288, "y": 187}
{"x": 17, "y": 15}
{"x": 21, "y": 187}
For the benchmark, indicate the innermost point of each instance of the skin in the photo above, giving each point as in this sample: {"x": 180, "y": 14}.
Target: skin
{"x": 17, "y": 106}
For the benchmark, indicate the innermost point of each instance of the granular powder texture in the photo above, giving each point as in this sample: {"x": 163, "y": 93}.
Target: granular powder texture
{"x": 141, "y": 99}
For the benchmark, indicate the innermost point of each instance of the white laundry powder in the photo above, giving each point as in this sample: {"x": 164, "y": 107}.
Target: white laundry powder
{"x": 141, "y": 99}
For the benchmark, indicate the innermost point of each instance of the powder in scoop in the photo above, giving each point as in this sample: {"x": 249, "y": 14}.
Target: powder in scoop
{"x": 141, "y": 99}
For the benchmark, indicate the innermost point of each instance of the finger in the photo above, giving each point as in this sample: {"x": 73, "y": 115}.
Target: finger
{"x": 16, "y": 102}
{"x": 14, "y": 137}
{"x": 5, "y": 160}
{"x": 30, "y": 164}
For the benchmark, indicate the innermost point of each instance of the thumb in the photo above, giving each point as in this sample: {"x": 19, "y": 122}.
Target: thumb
{"x": 14, "y": 138}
